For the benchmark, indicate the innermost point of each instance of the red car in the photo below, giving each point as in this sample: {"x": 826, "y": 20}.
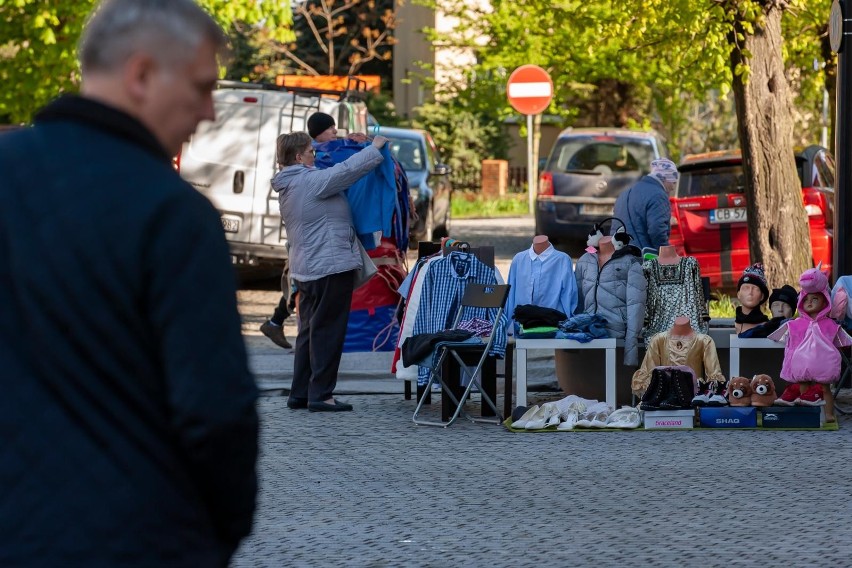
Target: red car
{"x": 709, "y": 211}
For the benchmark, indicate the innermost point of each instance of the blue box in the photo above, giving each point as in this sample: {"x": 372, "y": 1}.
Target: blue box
{"x": 727, "y": 417}
{"x": 792, "y": 417}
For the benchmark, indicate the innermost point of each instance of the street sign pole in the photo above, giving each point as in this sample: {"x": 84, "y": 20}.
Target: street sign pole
{"x": 839, "y": 30}
{"x": 530, "y": 166}
{"x": 529, "y": 91}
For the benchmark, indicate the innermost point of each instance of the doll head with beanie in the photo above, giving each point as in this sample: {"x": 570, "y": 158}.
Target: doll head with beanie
{"x": 783, "y": 301}
{"x": 751, "y": 292}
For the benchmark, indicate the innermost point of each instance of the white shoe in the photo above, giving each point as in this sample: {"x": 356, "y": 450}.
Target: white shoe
{"x": 625, "y": 417}
{"x": 522, "y": 421}
{"x": 569, "y": 420}
{"x": 599, "y": 420}
{"x": 540, "y": 419}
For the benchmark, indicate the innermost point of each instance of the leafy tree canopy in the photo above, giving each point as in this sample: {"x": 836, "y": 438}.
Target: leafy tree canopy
{"x": 39, "y": 41}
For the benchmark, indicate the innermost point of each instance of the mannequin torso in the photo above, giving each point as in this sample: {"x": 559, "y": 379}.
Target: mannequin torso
{"x": 605, "y": 250}
{"x": 681, "y": 327}
{"x": 668, "y": 255}
{"x": 540, "y": 244}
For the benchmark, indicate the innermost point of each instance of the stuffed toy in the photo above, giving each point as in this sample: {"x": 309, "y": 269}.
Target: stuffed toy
{"x": 763, "y": 391}
{"x": 594, "y": 237}
{"x": 739, "y": 391}
{"x": 620, "y": 239}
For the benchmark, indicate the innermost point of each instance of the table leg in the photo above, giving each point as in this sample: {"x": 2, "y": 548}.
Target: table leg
{"x": 734, "y": 353}
{"x": 610, "y": 378}
{"x": 521, "y": 388}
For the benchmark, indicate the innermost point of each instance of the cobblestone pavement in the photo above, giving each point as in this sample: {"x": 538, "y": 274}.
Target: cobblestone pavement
{"x": 369, "y": 488}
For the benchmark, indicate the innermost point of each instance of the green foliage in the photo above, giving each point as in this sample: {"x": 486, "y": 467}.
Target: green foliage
{"x": 464, "y": 138}
{"x": 722, "y": 307}
{"x": 39, "y": 42}
{"x": 382, "y": 108}
{"x": 469, "y": 204}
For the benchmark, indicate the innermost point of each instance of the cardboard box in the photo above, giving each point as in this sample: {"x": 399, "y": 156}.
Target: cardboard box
{"x": 669, "y": 419}
{"x": 727, "y": 417}
{"x": 792, "y": 417}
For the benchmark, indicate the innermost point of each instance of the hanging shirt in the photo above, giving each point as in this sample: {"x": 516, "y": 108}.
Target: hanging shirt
{"x": 545, "y": 280}
{"x": 443, "y": 287}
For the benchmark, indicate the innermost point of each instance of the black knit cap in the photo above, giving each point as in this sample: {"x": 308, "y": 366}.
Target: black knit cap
{"x": 318, "y": 123}
{"x": 754, "y": 274}
{"x": 786, "y": 294}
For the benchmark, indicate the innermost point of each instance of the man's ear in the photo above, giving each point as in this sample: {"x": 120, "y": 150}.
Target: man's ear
{"x": 137, "y": 74}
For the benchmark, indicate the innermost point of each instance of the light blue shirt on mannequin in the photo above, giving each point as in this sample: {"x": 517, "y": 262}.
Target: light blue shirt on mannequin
{"x": 545, "y": 280}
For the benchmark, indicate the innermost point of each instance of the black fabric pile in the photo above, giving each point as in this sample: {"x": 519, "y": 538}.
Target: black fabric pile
{"x": 536, "y": 316}
{"x": 417, "y": 347}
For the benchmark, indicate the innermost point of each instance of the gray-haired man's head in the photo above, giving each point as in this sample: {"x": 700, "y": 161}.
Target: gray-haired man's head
{"x": 167, "y": 29}
{"x": 156, "y": 60}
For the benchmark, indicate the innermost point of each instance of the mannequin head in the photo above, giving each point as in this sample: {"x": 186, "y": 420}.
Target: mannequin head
{"x": 540, "y": 243}
{"x": 813, "y": 303}
{"x": 751, "y": 287}
{"x": 781, "y": 309}
{"x": 750, "y": 296}
{"x": 782, "y": 301}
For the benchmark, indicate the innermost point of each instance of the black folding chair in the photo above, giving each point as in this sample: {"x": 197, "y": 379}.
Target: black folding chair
{"x": 493, "y": 298}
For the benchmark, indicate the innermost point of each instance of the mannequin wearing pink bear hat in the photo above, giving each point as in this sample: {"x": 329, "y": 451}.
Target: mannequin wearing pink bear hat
{"x": 811, "y": 356}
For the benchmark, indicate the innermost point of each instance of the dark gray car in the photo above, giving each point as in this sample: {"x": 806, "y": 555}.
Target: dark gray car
{"x": 586, "y": 171}
{"x": 428, "y": 180}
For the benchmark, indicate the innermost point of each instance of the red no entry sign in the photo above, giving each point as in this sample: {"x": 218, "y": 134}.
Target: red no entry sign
{"x": 529, "y": 89}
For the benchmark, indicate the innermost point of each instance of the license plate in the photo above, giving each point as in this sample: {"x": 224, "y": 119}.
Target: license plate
{"x": 728, "y": 215}
{"x": 230, "y": 225}
{"x": 593, "y": 209}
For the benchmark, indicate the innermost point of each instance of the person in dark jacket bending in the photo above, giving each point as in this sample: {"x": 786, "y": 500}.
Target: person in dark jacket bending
{"x": 128, "y": 409}
{"x": 645, "y": 207}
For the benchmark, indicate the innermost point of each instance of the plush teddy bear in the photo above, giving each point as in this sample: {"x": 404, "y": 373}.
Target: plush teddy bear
{"x": 763, "y": 391}
{"x": 739, "y": 391}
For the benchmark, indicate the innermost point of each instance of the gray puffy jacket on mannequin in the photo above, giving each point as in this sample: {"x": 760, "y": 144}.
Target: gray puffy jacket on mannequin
{"x": 615, "y": 291}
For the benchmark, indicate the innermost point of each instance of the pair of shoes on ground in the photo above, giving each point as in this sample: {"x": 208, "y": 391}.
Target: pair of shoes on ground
{"x": 626, "y": 417}
{"x": 275, "y": 333}
{"x": 793, "y": 396}
{"x": 538, "y": 417}
{"x": 336, "y": 406}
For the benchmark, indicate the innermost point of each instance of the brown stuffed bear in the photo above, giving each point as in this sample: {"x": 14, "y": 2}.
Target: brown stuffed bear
{"x": 762, "y": 391}
{"x": 739, "y": 391}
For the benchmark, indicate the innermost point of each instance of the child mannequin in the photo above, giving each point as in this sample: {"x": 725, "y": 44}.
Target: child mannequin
{"x": 751, "y": 292}
{"x": 668, "y": 255}
{"x": 811, "y": 358}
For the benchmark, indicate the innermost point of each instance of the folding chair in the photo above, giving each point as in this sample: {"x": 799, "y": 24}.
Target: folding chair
{"x": 493, "y": 298}
{"x": 845, "y": 379}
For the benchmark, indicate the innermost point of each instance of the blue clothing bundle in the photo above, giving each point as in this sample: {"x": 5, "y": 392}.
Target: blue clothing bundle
{"x": 583, "y": 328}
{"x": 378, "y": 203}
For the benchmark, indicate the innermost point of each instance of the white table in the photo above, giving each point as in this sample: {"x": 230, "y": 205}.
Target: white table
{"x": 521, "y": 346}
{"x": 737, "y": 343}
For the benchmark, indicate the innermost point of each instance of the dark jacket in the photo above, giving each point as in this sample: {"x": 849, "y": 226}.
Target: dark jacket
{"x": 127, "y": 410}
{"x": 646, "y": 212}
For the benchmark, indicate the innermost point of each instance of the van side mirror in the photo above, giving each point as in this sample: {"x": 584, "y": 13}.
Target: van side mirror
{"x": 442, "y": 169}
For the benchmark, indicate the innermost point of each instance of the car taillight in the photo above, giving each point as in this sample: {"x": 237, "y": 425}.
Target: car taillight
{"x": 176, "y": 162}
{"x": 545, "y": 184}
{"x": 816, "y": 206}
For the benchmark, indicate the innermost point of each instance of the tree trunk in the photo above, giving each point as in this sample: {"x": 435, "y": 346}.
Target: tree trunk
{"x": 778, "y": 226}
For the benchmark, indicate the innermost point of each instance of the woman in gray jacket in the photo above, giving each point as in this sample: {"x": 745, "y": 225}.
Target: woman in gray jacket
{"x": 324, "y": 256}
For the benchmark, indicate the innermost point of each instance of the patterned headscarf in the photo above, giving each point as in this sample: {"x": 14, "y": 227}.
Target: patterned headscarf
{"x": 665, "y": 170}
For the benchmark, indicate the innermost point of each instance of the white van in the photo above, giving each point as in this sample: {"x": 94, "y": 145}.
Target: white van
{"x": 232, "y": 159}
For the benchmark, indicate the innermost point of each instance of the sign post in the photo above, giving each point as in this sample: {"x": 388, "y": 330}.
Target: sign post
{"x": 529, "y": 91}
{"x": 839, "y": 27}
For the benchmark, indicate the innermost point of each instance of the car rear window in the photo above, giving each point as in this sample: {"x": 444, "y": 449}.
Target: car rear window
{"x": 601, "y": 154}
{"x": 712, "y": 180}
{"x": 407, "y": 153}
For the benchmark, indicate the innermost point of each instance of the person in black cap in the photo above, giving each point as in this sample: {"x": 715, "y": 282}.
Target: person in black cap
{"x": 322, "y": 128}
